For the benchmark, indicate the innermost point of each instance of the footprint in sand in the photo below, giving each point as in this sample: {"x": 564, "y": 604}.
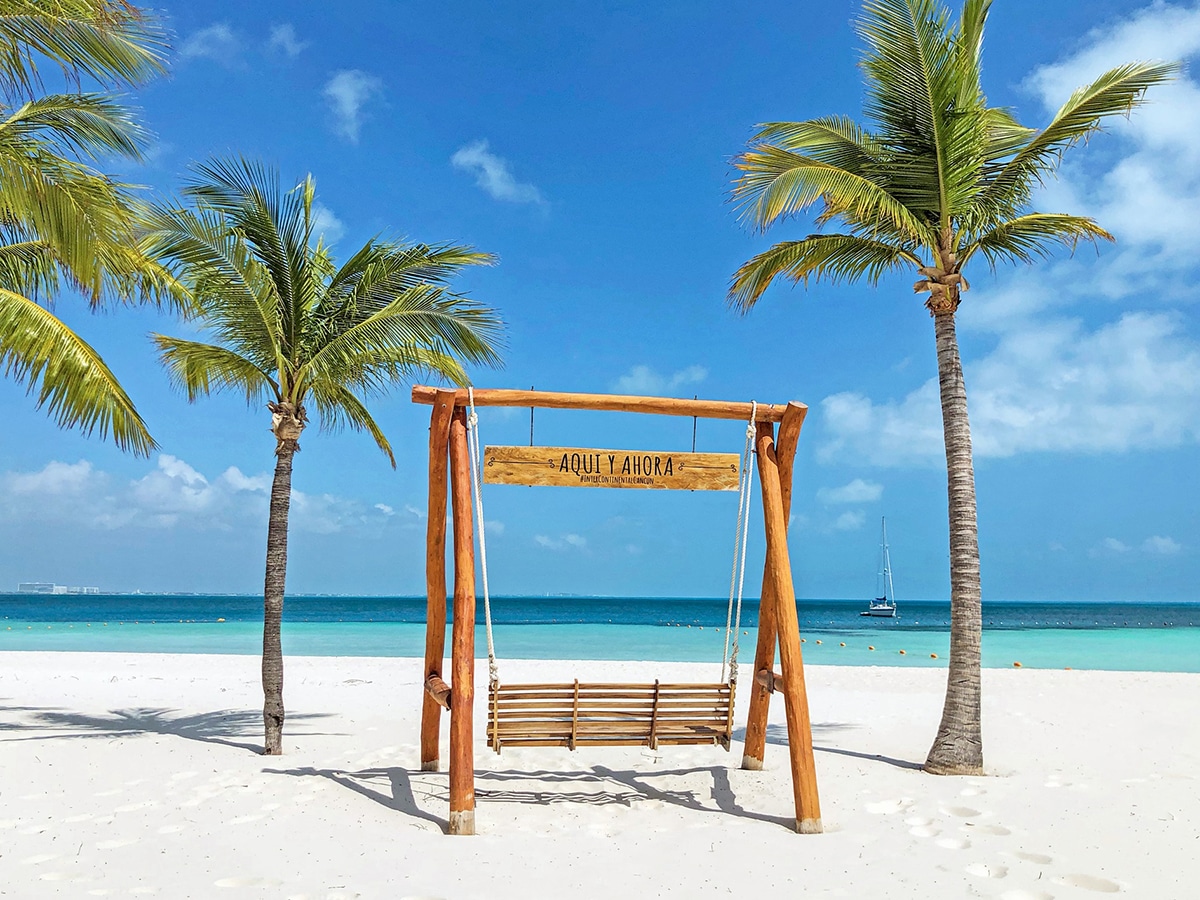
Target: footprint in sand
{"x": 999, "y": 830}
{"x": 953, "y": 843}
{"x": 986, "y": 870}
{"x": 1089, "y": 883}
{"x": 115, "y": 843}
{"x": 242, "y": 820}
{"x": 886, "y": 807}
{"x": 1040, "y": 858}
{"x": 918, "y": 820}
{"x": 40, "y": 858}
{"x": 247, "y": 882}
{"x": 963, "y": 812}
{"x": 73, "y": 819}
{"x": 1021, "y": 894}
{"x": 925, "y": 831}
{"x": 100, "y": 892}
{"x": 171, "y": 829}
{"x": 971, "y": 792}
{"x": 134, "y": 807}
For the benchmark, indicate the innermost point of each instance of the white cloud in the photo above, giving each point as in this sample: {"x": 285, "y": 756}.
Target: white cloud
{"x": 564, "y": 542}
{"x": 1110, "y": 546}
{"x": 347, "y": 93}
{"x": 1049, "y": 387}
{"x": 492, "y": 173}
{"x": 1161, "y": 545}
{"x": 173, "y": 494}
{"x": 645, "y": 380}
{"x": 857, "y": 491}
{"x": 1057, "y": 381}
{"x": 55, "y": 478}
{"x": 494, "y": 527}
{"x": 216, "y": 42}
{"x": 285, "y": 39}
{"x": 327, "y": 224}
{"x": 385, "y": 509}
{"x": 849, "y": 521}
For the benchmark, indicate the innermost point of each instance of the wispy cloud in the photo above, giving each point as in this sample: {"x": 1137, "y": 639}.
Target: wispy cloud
{"x": 849, "y": 521}
{"x": 564, "y": 542}
{"x": 216, "y": 42}
{"x": 1161, "y": 545}
{"x": 492, "y": 173}
{"x": 645, "y": 380}
{"x": 348, "y": 92}
{"x": 171, "y": 495}
{"x": 327, "y": 224}
{"x": 857, "y": 491}
{"x": 285, "y": 39}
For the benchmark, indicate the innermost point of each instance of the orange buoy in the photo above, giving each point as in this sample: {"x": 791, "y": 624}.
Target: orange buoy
{"x": 818, "y": 642}
{"x": 1016, "y": 665}
{"x": 870, "y": 648}
{"x": 903, "y": 652}
{"x": 933, "y": 656}
{"x": 842, "y": 644}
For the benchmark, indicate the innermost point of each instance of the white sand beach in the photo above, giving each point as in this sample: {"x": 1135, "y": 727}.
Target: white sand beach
{"x": 136, "y": 774}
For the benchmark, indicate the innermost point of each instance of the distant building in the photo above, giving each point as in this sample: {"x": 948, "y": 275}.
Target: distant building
{"x": 49, "y": 587}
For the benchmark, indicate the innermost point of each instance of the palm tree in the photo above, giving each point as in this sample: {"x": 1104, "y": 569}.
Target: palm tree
{"x": 290, "y": 326}
{"x": 62, "y": 223}
{"x": 941, "y": 179}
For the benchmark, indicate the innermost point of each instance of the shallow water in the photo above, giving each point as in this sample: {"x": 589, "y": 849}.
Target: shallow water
{"x": 1121, "y": 636}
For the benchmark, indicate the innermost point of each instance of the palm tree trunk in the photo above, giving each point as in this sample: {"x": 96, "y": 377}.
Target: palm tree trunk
{"x": 272, "y": 656}
{"x": 958, "y": 747}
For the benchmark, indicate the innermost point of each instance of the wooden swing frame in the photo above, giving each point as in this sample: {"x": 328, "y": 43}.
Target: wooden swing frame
{"x": 449, "y": 467}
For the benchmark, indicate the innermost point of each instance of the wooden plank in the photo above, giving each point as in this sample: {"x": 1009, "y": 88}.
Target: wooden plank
{"x": 435, "y": 575}
{"x": 778, "y": 566}
{"x": 462, "y": 655}
{"x": 755, "y": 744}
{"x": 663, "y": 406}
{"x": 593, "y": 467}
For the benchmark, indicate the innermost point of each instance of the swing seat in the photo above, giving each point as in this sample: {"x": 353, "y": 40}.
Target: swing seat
{"x": 575, "y": 715}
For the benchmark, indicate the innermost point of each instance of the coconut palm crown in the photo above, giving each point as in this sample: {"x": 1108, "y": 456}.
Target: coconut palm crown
{"x": 292, "y": 328}
{"x": 937, "y": 179}
{"x": 63, "y": 224}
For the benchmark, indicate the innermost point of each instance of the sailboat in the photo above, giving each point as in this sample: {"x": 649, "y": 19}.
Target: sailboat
{"x": 885, "y": 606}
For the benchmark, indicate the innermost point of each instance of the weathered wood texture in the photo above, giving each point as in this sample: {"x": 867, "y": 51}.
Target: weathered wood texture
{"x": 755, "y": 745}
{"x": 435, "y": 575}
{"x": 438, "y": 690}
{"x": 663, "y": 406}
{"x": 582, "y": 467}
{"x": 795, "y": 698}
{"x": 609, "y": 715}
{"x": 462, "y": 650}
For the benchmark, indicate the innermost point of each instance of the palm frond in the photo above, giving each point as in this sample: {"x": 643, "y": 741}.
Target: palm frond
{"x": 200, "y": 369}
{"x": 1114, "y": 93}
{"x": 111, "y": 41}
{"x": 87, "y": 124}
{"x": 337, "y": 406}
{"x": 1033, "y": 236}
{"x": 68, "y": 377}
{"x": 833, "y": 257}
{"x": 776, "y": 183}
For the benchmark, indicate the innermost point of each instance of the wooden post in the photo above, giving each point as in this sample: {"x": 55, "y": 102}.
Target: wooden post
{"x": 462, "y": 649}
{"x": 795, "y": 696}
{"x": 764, "y": 654}
{"x": 435, "y": 576}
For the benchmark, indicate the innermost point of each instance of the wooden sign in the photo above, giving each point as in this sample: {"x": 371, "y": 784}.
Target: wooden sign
{"x": 576, "y": 467}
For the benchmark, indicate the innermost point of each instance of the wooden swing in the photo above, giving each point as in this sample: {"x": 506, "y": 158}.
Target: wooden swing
{"x": 575, "y": 714}
{"x": 607, "y": 714}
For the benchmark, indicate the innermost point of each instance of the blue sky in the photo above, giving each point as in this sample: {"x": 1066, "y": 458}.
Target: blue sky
{"x": 588, "y": 145}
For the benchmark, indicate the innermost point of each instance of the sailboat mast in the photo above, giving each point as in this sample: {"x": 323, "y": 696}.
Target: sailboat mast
{"x": 889, "y": 588}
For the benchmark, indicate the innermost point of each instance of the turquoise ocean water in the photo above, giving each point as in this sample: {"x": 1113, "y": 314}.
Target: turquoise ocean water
{"x": 1120, "y": 636}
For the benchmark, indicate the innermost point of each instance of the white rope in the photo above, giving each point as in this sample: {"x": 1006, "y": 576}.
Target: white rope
{"x": 476, "y": 464}
{"x": 737, "y": 577}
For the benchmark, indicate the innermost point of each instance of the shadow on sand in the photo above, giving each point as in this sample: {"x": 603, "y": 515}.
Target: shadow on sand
{"x": 224, "y": 726}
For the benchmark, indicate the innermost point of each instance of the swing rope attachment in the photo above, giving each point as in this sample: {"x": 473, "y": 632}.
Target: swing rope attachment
{"x": 476, "y": 457}
{"x": 737, "y": 576}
